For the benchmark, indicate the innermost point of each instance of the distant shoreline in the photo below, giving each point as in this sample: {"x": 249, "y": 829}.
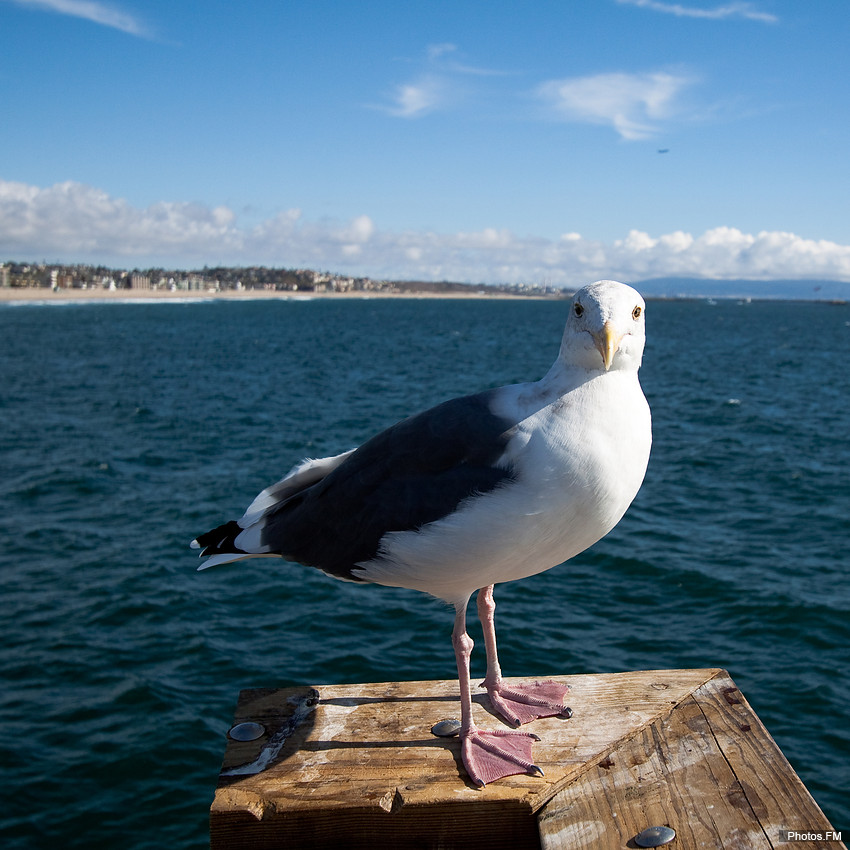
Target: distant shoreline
{"x": 43, "y": 294}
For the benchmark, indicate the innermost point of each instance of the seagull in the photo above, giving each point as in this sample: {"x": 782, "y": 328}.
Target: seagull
{"x": 479, "y": 490}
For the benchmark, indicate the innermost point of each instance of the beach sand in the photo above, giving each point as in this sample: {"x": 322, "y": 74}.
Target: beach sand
{"x": 44, "y": 294}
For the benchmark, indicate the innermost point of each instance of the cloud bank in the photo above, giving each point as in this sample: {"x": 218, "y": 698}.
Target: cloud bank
{"x": 72, "y": 222}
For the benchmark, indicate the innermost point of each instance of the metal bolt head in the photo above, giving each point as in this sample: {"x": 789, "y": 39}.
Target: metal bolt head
{"x": 655, "y": 836}
{"x": 446, "y": 728}
{"x": 246, "y": 731}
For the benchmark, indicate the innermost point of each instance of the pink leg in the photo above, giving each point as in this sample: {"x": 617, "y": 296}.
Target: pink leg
{"x": 487, "y": 756}
{"x": 521, "y": 703}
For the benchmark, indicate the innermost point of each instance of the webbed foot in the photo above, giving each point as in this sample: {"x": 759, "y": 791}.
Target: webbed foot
{"x": 523, "y": 703}
{"x": 488, "y": 756}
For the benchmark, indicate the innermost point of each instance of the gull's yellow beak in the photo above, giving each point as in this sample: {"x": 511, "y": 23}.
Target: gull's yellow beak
{"x": 607, "y": 341}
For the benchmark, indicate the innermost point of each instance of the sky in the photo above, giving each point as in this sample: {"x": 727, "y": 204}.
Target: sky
{"x": 487, "y": 142}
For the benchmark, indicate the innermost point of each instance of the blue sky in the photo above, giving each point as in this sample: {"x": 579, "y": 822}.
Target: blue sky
{"x": 480, "y": 141}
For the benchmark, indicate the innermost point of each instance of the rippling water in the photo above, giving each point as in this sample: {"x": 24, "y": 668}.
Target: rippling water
{"x": 129, "y": 428}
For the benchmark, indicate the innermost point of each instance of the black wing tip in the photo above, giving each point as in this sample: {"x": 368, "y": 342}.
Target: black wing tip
{"x": 218, "y": 541}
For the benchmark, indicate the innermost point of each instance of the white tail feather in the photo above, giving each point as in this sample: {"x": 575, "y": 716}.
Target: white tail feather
{"x": 230, "y": 557}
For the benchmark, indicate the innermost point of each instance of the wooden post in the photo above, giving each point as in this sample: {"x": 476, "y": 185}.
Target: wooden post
{"x": 356, "y": 766}
{"x": 708, "y": 769}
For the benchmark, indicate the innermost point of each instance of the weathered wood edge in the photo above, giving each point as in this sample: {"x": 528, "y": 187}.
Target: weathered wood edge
{"x": 768, "y": 781}
{"x": 766, "y": 787}
{"x": 537, "y": 802}
{"x": 672, "y": 774}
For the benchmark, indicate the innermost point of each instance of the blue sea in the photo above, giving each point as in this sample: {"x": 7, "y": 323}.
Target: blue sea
{"x": 127, "y": 429}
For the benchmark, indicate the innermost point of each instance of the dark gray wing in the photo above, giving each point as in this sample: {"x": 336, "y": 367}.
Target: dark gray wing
{"x": 415, "y": 472}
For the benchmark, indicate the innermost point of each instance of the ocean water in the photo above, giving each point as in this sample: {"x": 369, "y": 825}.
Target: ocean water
{"x": 126, "y": 429}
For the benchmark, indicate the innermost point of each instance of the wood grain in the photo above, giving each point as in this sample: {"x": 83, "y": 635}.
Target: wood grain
{"x": 357, "y": 766}
{"x": 709, "y": 770}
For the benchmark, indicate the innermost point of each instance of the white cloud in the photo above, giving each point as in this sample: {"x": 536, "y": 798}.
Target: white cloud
{"x": 98, "y": 13}
{"x": 72, "y": 222}
{"x": 417, "y": 98}
{"x": 726, "y": 252}
{"x": 633, "y": 104}
{"x": 442, "y": 83}
{"x": 437, "y": 51}
{"x": 729, "y": 10}
{"x": 70, "y": 218}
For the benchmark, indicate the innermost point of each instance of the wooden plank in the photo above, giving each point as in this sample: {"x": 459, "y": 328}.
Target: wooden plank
{"x": 671, "y": 774}
{"x": 360, "y": 760}
{"x": 708, "y": 769}
{"x": 767, "y": 781}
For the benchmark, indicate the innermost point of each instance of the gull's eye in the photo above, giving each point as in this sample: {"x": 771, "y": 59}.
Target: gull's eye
{"x": 636, "y": 313}
{"x": 578, "y": 309}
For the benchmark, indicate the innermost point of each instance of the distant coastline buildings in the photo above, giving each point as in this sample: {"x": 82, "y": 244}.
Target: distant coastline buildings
{"x": 58, "y": 276}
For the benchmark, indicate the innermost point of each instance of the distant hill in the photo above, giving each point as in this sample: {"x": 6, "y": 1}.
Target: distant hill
{"x": 687, "y": 287}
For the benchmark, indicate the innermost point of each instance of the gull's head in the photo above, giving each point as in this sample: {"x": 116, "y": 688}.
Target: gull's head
{"x": 605, "y": 330}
